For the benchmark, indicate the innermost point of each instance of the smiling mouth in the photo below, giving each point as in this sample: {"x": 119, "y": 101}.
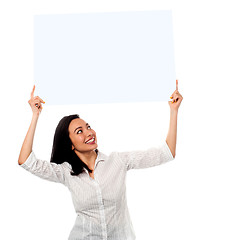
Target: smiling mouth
{"x": 91, "y": 141}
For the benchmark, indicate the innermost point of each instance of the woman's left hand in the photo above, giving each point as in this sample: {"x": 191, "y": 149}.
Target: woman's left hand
{"x": 176, "y": 99}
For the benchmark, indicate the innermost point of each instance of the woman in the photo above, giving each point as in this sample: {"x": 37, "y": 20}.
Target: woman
{"x": 96, "y": 181}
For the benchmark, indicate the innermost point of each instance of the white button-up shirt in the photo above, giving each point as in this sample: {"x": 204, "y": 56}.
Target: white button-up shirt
{"x": 100, "y": 203}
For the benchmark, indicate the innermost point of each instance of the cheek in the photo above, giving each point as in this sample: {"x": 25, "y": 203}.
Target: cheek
{"x": 81, "y": 138}
{"x": 78, "y": 139}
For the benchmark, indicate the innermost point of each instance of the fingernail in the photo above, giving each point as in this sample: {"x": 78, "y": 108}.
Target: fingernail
{"x": 171, "y": 97}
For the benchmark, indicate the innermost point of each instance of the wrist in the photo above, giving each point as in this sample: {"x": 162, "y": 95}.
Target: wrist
{"x": 35, "y": 116}
{"x": 174, "y": 112}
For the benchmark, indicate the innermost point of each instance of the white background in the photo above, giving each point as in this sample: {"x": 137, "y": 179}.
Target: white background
{"x": 191, "y": 197}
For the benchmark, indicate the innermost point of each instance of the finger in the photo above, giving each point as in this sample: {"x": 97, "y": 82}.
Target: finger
{"x": 38, "y": 105}
{"x": 174, "y": 93}
{"x": 175, "y": 100}
{"x": 178, "y": 97}
{"x": 177, "y": 85}
{"x": 38, "y": 98}
{"x": 41, "y": 100}
{"x": 175, "y": 96}
{"x": 36, "y": 102}
{"x": 32, "y": 93}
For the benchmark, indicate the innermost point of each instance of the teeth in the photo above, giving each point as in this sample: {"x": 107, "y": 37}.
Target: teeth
{"x": 91, "y": 140}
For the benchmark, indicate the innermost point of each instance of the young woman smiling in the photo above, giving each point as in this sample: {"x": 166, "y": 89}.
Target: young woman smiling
{"x": 96, "y": 180}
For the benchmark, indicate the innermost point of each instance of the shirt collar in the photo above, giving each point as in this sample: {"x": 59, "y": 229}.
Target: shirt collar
{"x": 100, "y": 157}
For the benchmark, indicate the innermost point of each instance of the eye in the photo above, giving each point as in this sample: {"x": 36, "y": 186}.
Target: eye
{"x": 81, "y": 130}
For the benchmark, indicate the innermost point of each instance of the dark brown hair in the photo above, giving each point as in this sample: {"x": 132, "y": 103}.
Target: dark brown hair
{"x": 62, "y": 147}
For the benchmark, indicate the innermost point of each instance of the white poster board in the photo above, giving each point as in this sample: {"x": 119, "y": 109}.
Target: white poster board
{"x": 109, "y": 57}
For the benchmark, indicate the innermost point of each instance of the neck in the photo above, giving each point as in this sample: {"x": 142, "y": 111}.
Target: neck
{"x": 88, "y": 158}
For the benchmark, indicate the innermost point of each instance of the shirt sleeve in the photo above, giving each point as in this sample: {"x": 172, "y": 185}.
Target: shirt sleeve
{"x": 146, "y": 158}
{"x": 47, "y": 170}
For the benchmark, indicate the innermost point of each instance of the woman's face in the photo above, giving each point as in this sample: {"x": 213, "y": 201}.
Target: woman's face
{"x": 80, "y": 133}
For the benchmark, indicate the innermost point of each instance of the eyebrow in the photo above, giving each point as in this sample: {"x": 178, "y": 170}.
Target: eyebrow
{"x": 80, "y": 127}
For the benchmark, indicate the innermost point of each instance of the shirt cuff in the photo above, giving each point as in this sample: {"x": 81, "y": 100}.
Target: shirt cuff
{"x": 29, "y": 161}
{"x": 168, "y": 151}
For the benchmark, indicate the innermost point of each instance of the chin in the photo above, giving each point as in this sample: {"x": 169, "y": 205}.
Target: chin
{"x": 94, "y": 146}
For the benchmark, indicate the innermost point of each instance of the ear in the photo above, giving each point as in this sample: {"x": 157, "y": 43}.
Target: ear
{"x": 72, "y": 147}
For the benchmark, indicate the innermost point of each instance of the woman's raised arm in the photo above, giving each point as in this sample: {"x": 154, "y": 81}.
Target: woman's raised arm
{"x": 36, "y": 105}
{"x": 172, "y": 132}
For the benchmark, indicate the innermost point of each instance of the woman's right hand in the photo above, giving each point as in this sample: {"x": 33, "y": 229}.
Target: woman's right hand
{"x": 35, "y": 103}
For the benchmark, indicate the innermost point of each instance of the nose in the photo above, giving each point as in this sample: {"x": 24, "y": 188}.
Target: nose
{"x": 89, "y": 133}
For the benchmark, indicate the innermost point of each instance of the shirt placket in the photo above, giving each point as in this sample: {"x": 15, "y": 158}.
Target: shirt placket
{"x": 101, "y": 207}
